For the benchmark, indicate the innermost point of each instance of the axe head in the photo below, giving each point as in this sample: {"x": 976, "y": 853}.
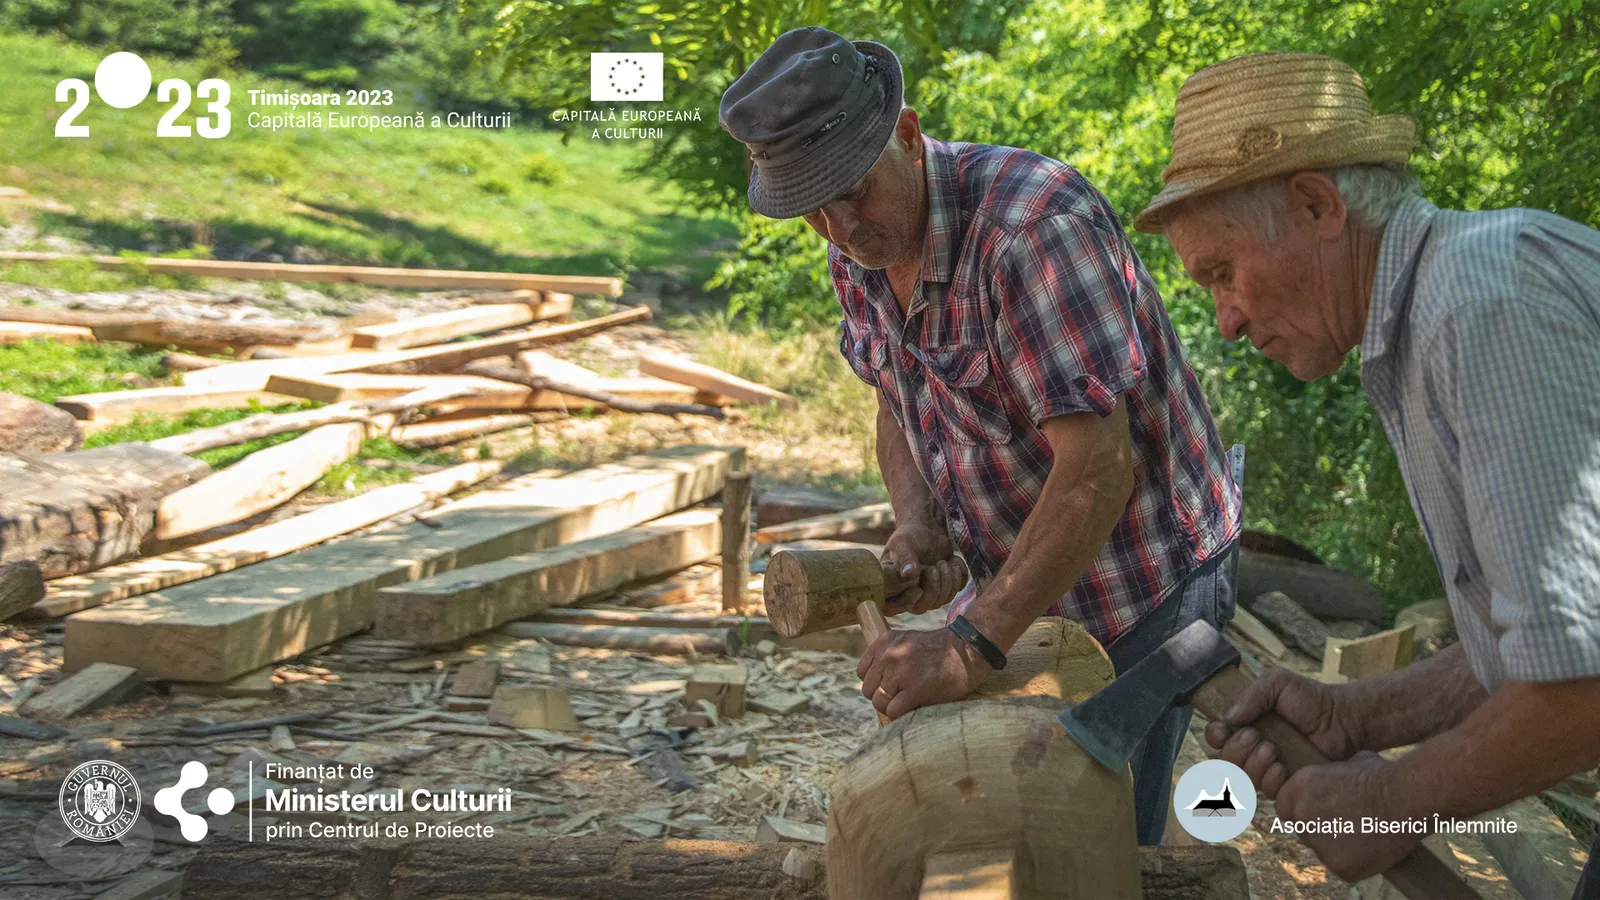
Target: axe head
{"x": 1111, "y": 724}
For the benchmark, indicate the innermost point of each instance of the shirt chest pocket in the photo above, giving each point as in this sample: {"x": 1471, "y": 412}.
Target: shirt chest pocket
{"x": 963, "y": 385}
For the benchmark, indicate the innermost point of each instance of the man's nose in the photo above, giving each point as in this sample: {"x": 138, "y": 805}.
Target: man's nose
{"x": 1230, "y": 319}
{"x": 838, "y": 223}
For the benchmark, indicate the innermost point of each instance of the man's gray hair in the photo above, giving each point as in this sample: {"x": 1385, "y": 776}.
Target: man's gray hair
{"x": 1370, "y": 192}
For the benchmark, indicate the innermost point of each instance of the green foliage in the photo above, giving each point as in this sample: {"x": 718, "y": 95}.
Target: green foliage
{"x": 45, "y": 370}
{"x": 779, "y": 276}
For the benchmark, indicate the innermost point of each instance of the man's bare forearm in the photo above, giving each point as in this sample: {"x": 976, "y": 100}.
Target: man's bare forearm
{"x": 1083, "y": 498}
{"x": 1522, "y": 739}
{"x": 908, "y": 492}
{"x": 1414, "y": 703}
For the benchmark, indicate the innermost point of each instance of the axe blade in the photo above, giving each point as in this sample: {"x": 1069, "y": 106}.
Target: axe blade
{"x": 1111, "y": 724}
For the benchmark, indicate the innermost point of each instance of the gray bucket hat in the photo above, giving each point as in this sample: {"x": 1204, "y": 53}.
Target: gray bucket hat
{"x": 815, "y": 111}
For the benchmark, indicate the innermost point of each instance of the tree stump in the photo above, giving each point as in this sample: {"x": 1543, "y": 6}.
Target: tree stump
{"x": 995, "y": 780}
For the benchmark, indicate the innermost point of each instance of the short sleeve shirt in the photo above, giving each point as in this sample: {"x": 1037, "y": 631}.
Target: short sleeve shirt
{"x": 1031, "y": 305}
{"x": 1482, "y": 357}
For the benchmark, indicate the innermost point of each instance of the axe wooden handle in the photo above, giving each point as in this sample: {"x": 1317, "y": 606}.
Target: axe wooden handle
{"x": 1420, "y": 875}
{"x": 873, "y": 626}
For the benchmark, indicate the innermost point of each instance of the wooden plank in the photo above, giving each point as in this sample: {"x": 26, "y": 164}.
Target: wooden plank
{"x": 481, "y": 393}
{"x": 374, "y": 275}
{"x": 538, "y": 362}
{"x": 877, "y": 515}
{"x": 736, "y": 541}
{"x": 549, "y": 708}
{"x": 122, "y": 406}
{"x": 477, "y": 598}
{"x": 231, "y": 623}
{"x": 443, "y": 326}
{"x": 476, "y": 679}
{"x": 704, "y": 377}
{"x": 75, "y": 511}
{"x": 451, "y": 357}
{"x": 1251, "y": 627}
{"x": 208, "y": 334}
{"x": 260, "y": 481}
{"x": 1365, "y": 657}
{"x": 69, "y": 595}
{"x": 17, "y": 332}
{"x": 578, "y": 615}
{"x": 96, "y": 686}
{"x": 253, "y": 374}
{"x": 682, "y": 641}
{"x": 80, "y": 318}
{"x": 435, "y": 433}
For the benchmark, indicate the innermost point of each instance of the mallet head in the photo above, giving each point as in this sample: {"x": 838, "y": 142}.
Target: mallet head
{"x": 1111, "y": 724}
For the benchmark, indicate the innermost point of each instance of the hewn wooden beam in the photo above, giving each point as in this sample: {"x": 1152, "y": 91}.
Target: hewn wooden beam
{"x": 706, "y": 378}
{"x": 452, "y": 323}
{"x": 122, "y": 406}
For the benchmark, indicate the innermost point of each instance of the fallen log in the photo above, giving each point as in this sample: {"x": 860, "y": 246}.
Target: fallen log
{"x": 72, "y": 512}
{"x": 75, "y": 594}
{"x": 1323, "y": 591}
{"x": 374, "y": 275}
{"x": 260, "y": 481}
{"x": 450, "y": 606}
{"x": 268, "y": 424}
{"x": 672, "y": 641}
{"x": 590, "y": 392}
{"x": 706, "y": 378}
{"x": 239, "y": 621}
{"x": 590, "y": 868}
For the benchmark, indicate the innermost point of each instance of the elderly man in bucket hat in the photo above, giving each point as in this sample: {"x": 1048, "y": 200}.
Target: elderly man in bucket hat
{"x": 1480, "y": 349}
{"x": 1035, "y": 409}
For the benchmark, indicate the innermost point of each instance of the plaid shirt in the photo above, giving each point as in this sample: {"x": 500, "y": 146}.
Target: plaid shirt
{"x": 1032, "y": 304}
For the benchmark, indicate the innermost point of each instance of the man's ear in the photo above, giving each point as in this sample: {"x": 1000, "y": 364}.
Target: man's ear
{"x": 1314, "y": 198}
{"x": 908, "y": 131}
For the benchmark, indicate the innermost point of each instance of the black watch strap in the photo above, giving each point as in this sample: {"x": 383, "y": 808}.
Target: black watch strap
{"x": 970, "y": 633}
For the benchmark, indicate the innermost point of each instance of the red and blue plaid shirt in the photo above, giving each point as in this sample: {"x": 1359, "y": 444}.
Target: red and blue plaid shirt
{"x": 1032, "y": 304}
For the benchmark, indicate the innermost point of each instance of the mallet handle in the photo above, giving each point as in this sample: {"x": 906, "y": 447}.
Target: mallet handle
{"x": 1420, "y": 875}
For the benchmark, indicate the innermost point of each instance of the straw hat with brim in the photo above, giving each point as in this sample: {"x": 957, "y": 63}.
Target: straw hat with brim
{"x": 1270, "y": 114}
{"x": 815, "y": 111}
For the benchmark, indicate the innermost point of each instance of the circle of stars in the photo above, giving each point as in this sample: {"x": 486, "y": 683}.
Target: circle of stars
{"x": 638, "y": 79}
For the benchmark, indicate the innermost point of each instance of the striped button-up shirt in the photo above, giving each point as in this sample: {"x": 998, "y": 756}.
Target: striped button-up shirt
{"x": 1031, "y": 305}
{"x": 1482, "y": 357}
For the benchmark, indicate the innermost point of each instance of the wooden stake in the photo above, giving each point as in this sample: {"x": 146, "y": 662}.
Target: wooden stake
{"x": 736, "y": 540}
{"x": 375, "y": 275}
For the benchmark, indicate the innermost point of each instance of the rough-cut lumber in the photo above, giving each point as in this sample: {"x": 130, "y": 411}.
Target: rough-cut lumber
{"x": 549, "y": 708}
{"x": 736, "y": 540}
{"x": 757, "y": 625}
{"x": 451, "y": 357}
{"x": 436, "y": 433}
{"x": 17, "y": 332}
{"x": 683, "y": 587}
{"x": 178, "y": 361}
{"x": 231, "y": 623}
{"x": 777, "y": 504}
{"x": 28, "y": 426}
{"x": 1365, "y": 657}
{"x": 682, "y": 641}
{"x": 121, "y": 406}
{"x": 213, "y": 334}
{"x": 70, "y": 595}
{"x": 21, "y": 586}
{"x": 476, "y": 598}
{"x": 268, "y": 424}
{"x": 1291, "y": 620}
{"x": 374, "y": 275}
{"x": 538, "y": 362}
{"x": 475, "y": 679}
{"x": 590, "y": 868}
{"x": 706, "y": 378}
{"x": 1251, "y": 627}
{"x": 252, "y": 375}
{"x": 250, "y": 684}
{"x": 96, "y": 686}
{"x": 443, "y": 326}
{"x": 722, "y": 685}
{"x": 862, "y": 518}
{"x": 1323, "y": 591}
{"x": 991, "y": 772}
{"x": 82, "y": 318}
{"x": 599, "y": 391}
{"x": 71, "y": 512}
{"x": 260, "y": 481}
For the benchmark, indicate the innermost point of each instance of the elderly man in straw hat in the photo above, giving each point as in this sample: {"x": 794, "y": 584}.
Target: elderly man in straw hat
{"x": 1480, "y": 350}
{"x": 1035, "y": 409}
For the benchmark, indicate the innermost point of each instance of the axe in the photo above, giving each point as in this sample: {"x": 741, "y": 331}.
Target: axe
{"x": 1199, "y": 665}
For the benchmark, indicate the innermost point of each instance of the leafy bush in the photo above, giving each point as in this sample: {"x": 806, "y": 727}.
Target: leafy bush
{"x": 779, "y": 276}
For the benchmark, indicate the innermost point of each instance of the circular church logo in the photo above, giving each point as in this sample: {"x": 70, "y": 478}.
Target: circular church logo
{"x": 99, "y": 801}
{"x": 1214, "y": 800}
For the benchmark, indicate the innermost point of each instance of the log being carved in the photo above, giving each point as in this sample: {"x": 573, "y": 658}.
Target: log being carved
{"x": 988, "y": 798}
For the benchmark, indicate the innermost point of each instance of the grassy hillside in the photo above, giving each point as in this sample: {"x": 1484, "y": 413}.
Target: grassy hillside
{"x": 515, "y": 200}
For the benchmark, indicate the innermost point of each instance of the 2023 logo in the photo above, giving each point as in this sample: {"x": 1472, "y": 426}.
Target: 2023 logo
{"x": 123, "y": 81}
